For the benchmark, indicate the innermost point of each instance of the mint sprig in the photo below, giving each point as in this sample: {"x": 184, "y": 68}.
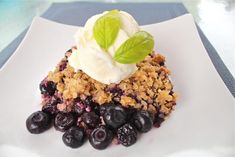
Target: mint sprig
{"x": 135, "y": 49}
{"x": 106, "y": 29}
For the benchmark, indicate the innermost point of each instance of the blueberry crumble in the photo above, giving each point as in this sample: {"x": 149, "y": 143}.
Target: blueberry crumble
{"x": 105, "y": 91}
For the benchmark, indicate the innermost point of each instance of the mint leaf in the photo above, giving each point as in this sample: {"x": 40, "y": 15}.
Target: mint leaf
{"x": 106, "y": 29}
{"x": 135, "y": 49}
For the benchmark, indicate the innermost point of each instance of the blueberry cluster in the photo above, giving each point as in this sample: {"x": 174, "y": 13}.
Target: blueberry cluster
{"x": 100, "y": 124}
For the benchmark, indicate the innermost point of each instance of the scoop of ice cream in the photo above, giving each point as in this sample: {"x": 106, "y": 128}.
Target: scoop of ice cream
{"x": 91, "y": 58}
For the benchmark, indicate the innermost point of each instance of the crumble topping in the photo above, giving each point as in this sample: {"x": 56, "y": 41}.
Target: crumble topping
{"x": 148, "y": 88}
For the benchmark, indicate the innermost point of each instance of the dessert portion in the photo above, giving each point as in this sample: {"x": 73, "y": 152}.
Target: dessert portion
{"x": 109, "y": 88}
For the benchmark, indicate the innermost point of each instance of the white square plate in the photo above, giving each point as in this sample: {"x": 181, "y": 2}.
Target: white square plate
{"x": 202, "y": 123}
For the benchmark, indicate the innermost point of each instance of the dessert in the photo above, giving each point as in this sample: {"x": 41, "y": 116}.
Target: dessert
{"x": 108, "y": 88}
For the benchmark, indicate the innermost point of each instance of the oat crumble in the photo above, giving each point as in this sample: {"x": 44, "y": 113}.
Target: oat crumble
{"x": 149, "y": 88}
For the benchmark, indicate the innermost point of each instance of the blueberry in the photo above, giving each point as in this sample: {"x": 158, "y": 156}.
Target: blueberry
{"x": 102, "y": 109}
{"x": 51, "y": 107}
{"x": 74, "y": 137}
{"x": 143, "y": 121}
{"x": 79, "y": 107}
{"x": 90, "y": 103}
{"x": 38, "y": 122}
{"x": 95, "y": 107}
{"x": 91, "y": 119}
{"x": 101, "y": 137}
{"x": 130, "y": 112}
{"x": 63, "y": 121}
{"x": 127, "y": 135}
{"x": 114, "y": 116}
{"x": 158, "y": 121}
{"x": 47, "y": 87}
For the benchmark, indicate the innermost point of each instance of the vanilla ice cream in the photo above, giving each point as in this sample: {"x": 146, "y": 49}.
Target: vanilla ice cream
{"x": 92, "y": 59}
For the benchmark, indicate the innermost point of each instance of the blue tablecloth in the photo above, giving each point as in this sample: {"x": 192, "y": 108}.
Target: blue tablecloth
{"x": 76, "y": 13}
